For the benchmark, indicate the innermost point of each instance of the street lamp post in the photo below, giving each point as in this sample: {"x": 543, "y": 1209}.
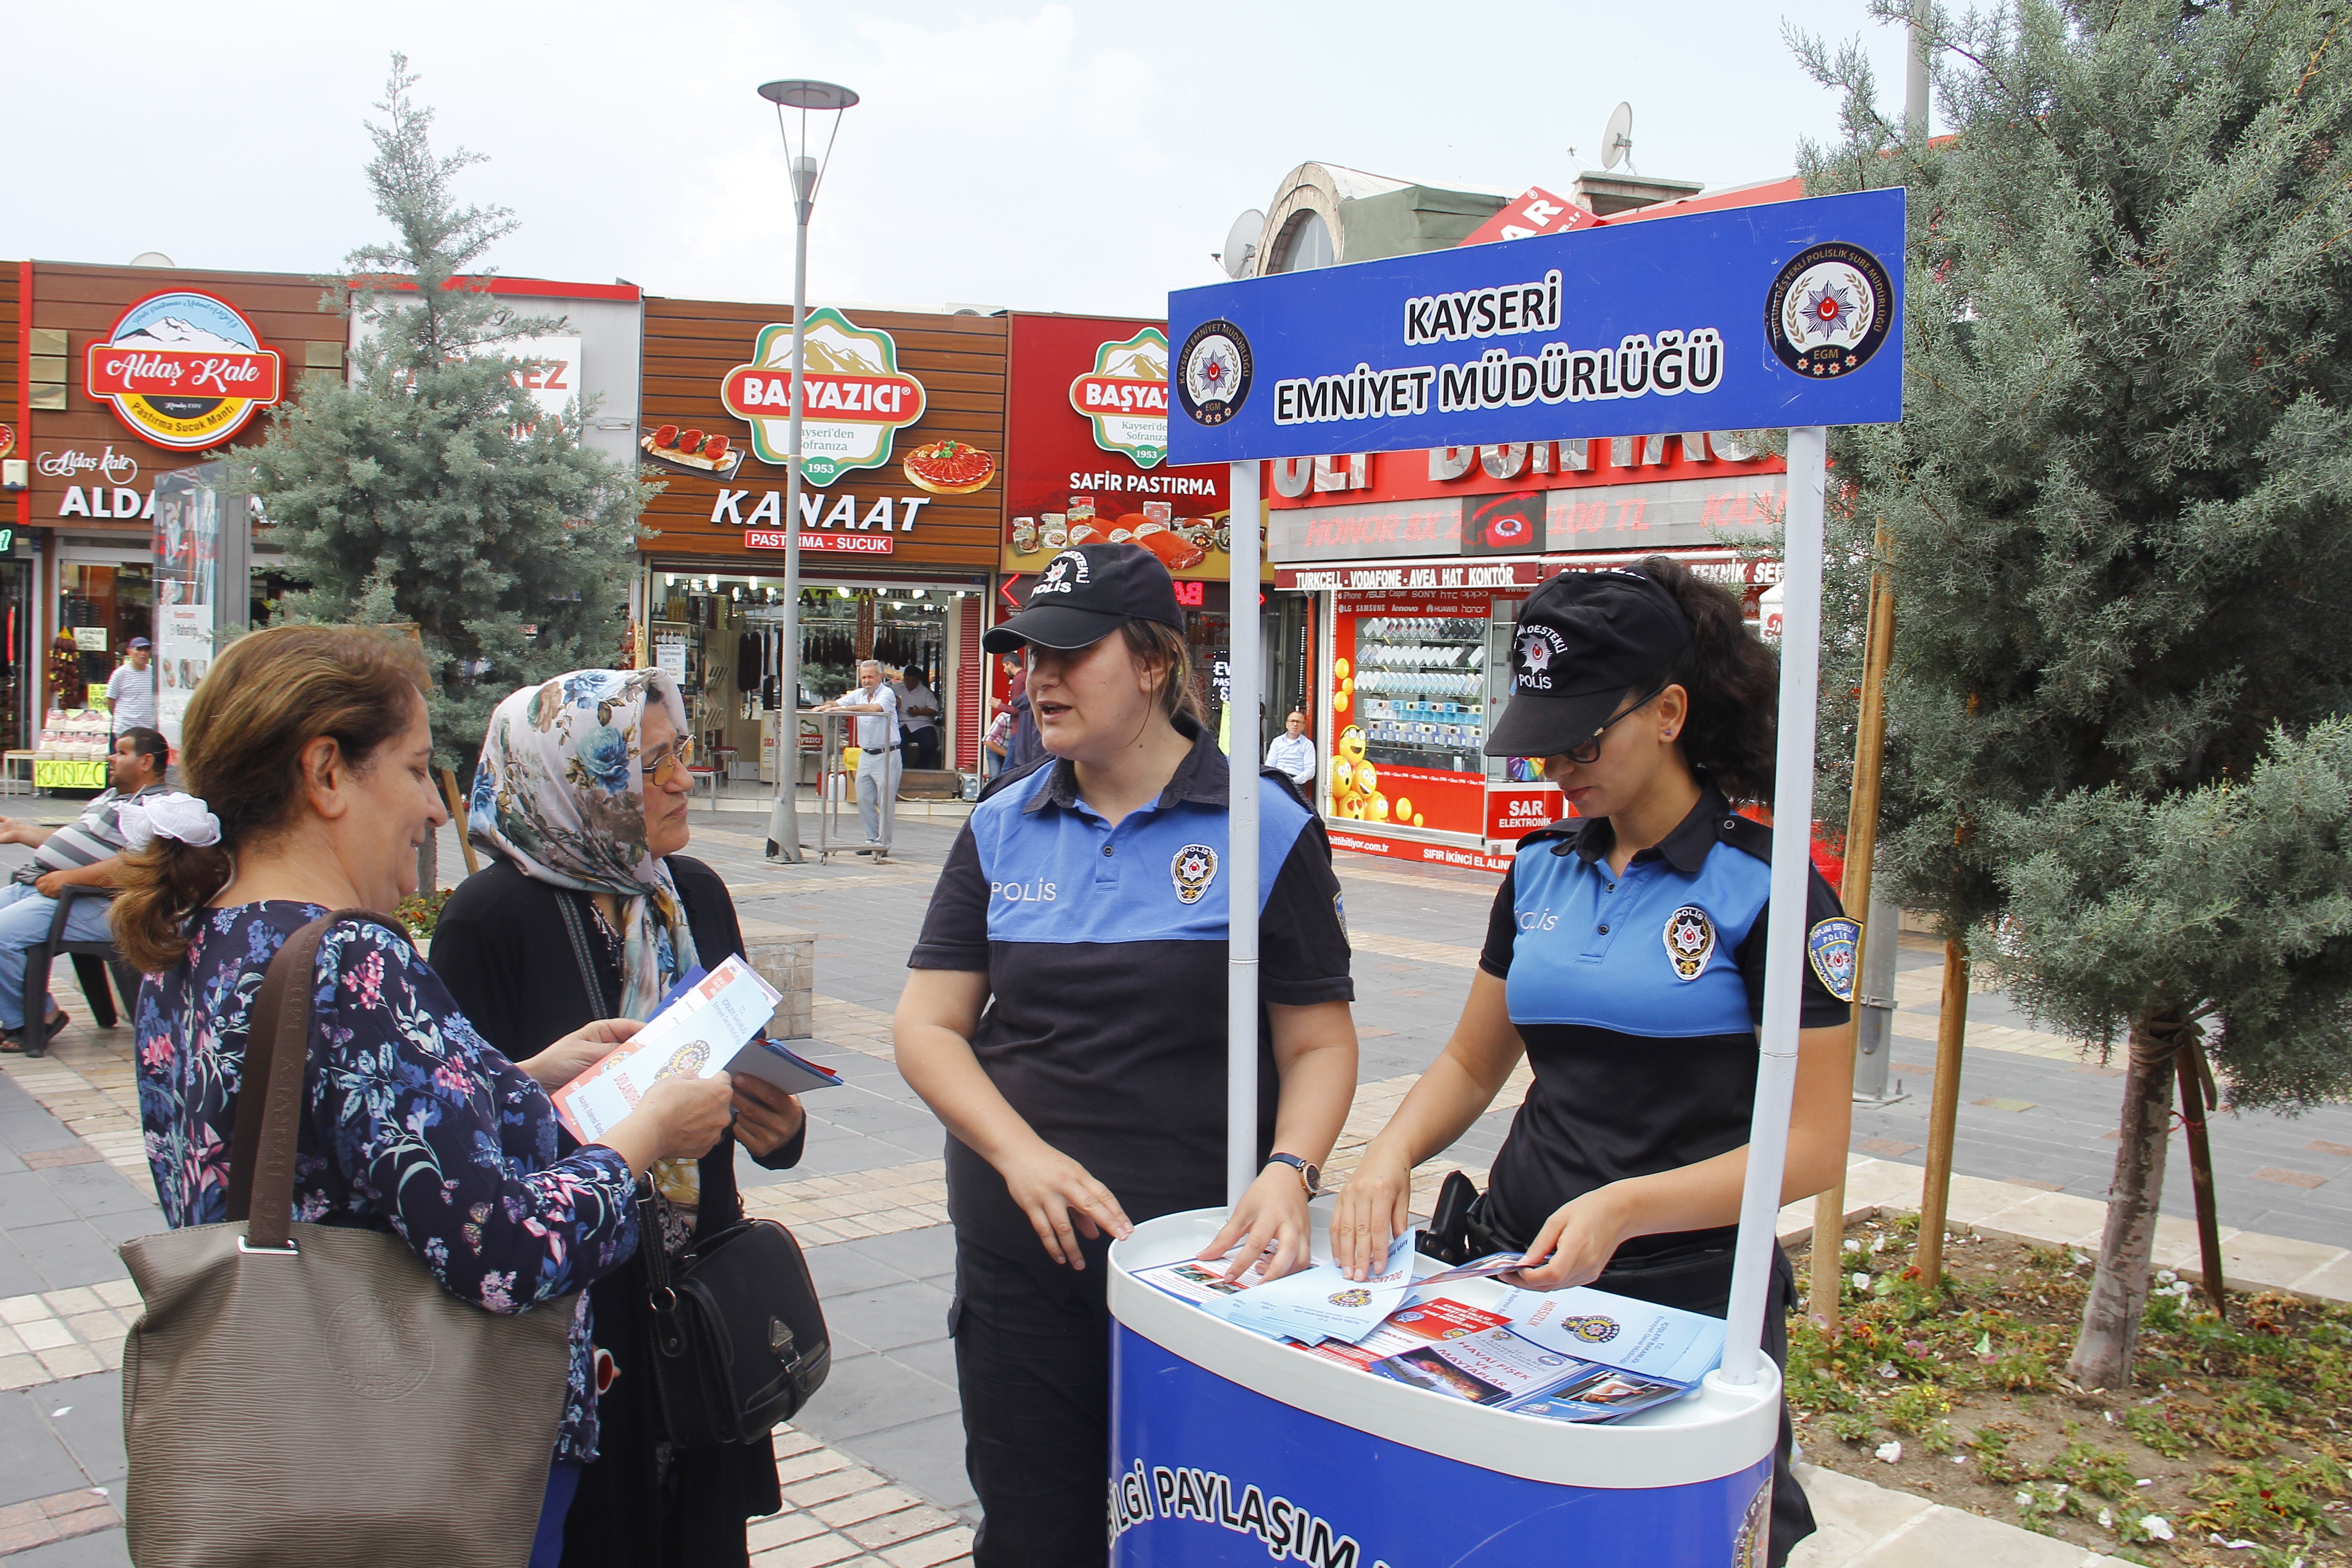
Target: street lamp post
{"x": 821, "y": 97}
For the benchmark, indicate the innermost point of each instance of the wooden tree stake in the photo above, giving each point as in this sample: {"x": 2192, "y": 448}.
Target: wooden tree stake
{"x": 2194, "y": 1101}
{"x": 457, "y": 814}
{"x": 1861, "y": 849}
{"x": 1943, "y": 1114}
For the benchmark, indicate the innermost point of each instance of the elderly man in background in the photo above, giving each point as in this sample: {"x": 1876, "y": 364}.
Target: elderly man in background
{"x": 82, "y": 854}
{"x": 130, "y": 690}
{"x": 876, "y": 703}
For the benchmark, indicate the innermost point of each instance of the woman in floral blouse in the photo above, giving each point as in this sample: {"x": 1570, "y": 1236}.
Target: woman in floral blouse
{"x": 310, "y": 748}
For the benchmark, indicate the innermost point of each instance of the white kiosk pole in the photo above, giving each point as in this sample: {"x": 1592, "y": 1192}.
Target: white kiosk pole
{"x": 1784, "y": 946}
{"x": 1241, "y": 844}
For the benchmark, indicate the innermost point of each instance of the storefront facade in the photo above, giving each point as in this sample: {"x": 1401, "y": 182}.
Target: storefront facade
{"x": 1417, "y": 562}
{"x": 901, "y": 509}
{"x": 119, "y": 375}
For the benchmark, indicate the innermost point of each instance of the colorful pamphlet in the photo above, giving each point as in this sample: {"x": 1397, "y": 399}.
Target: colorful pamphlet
{"x": 1191, "y": 1280}
{"x": 1486, "y": 1268}
{"x": 1409, "y": 1328}
{"x": 1639, "y": 1337}
{"x": 706, "y": 1025}
{"x": 1321, "y": 1303}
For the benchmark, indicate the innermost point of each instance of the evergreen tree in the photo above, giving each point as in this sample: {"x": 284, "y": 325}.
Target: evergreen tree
{"x": 430, "y": 490}
{"x": 2117, "y": 506}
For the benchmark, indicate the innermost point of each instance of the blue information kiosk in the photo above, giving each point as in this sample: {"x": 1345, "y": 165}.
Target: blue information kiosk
{"x": 1228, "y": 1447}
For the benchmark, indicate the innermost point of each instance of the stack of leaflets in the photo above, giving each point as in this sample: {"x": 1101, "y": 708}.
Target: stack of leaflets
{"x": 709, "y": 1023}
{"x": 1579, "y": 1354}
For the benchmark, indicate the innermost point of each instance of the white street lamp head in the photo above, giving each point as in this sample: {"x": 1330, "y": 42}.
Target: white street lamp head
{"x": 801, "y": 93}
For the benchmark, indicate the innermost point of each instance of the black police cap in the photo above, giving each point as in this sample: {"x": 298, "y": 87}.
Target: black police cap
{"x": 1583, "y": 640}
{"x": 1085, "y": 594}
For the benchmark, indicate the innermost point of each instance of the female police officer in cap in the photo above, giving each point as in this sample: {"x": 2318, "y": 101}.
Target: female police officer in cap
{"x": 1065, "y": 1020}
{"x": 1625, "y": 958}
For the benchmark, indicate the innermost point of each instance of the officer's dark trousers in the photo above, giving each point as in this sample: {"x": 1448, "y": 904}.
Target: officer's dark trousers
{"x": 1704, "y": 1285}
{"x": 1032, "y": 1367}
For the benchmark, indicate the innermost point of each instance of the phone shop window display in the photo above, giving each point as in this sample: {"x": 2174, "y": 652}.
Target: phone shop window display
{"x": 1408, "y": 707}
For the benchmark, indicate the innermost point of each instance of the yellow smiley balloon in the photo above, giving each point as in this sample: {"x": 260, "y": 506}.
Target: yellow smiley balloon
{"x": 1377, "y": 809}
{"x": 1340, "y": 667}
{"x": 1343, "y": 777}
{"x": 1352, "y": 743}
{"x": 1404, "y": 808}
{"x": 1367, "y": 778}
{"x": 1416, "y": 819}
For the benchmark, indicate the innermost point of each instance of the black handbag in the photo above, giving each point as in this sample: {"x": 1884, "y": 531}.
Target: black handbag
{"x": 739, "y": 1341}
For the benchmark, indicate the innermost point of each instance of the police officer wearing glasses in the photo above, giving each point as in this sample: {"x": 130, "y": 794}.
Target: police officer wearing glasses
{"x": 1065, "y": 1018}
{"x": 1625, "y": 960}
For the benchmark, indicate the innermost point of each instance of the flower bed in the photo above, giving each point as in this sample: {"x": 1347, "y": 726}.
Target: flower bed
{"x": 2232, "y": 1447}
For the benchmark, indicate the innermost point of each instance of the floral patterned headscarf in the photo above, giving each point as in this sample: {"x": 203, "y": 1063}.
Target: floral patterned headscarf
{"x": 561, "y": 792}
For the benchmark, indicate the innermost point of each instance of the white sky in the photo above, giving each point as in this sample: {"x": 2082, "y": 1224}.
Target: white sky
{"x": 1079, "y": 157}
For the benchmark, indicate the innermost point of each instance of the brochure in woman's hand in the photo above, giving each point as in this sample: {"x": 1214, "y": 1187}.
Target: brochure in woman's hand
{"x": 709, "y": 1023}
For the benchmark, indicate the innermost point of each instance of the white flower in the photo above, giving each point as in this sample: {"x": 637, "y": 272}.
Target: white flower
{"x": 2165, "y": 1277}
{"x": 2225, "y": 1541}
{"x": 1861, "y": 1281}
{"x": 2025, "y": 1497}
{"x": 1890, "y": 1452}
{"x": 2106, "y": 1518}
{"x": 1853, "y": 1246}
{"x": 2155, "y": 1526}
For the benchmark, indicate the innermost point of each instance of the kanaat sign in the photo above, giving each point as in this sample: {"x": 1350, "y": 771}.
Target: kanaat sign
{"x": 1126, "y": 397}
{"x": 184, "y": 370}
{"x": 1753, "y": 318}
{"x": 859, "y": 399}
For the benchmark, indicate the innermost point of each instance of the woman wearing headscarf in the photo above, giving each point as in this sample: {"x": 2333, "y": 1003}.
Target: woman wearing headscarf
{"x": 580, "y": 800}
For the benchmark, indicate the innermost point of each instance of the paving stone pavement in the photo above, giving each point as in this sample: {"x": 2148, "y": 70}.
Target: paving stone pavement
{"x": 873, "y": 1470}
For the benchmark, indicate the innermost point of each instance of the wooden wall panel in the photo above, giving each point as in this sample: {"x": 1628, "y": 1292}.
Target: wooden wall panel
{"x": 691, "y": 344}
{"x": 85, "y": 301}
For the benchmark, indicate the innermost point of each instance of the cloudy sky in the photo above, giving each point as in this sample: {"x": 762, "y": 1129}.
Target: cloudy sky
{"x": 1083, "y": 156}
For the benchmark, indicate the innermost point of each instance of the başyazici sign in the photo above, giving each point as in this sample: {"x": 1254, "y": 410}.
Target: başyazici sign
{"x": 1751, "y": 318}
{"x": 859, "y": 399}
{"x": 1126, "y": 397}
{"x": 184, "y": 370}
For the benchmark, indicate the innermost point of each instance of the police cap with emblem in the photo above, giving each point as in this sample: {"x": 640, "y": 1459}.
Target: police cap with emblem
{"x": 1583, "y": 640}
{"x": 1085, "y": 594}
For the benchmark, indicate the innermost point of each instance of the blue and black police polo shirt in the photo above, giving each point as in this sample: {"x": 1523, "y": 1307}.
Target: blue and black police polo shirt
{"x": 1105, "y": 951}
{"x": 1638, "y": 994}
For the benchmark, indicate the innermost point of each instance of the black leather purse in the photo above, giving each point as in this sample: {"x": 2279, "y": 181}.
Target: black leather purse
{"x": 739, "y": 1341}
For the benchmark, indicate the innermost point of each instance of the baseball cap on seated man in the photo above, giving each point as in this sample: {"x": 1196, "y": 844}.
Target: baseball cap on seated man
{"x": 137, "y": 642}
{"x": 1086, "y": 592}
{"x": 1582, "y": 641}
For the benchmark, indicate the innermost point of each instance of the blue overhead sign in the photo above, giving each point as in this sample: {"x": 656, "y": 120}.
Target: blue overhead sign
{"x": 1763, "y": 317}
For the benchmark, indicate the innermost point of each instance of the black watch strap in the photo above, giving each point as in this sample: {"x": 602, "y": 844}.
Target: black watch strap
{"x": 1310, "y": 1174}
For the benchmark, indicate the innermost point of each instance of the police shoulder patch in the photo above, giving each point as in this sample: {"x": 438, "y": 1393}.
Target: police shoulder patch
{"x": 1192, "y": 869}
{"x": 1690, "y": 941}
{"x": 1834, "y": 946}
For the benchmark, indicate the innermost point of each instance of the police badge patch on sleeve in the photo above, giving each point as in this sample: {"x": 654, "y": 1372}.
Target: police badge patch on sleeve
{"x": 1192, "y": 869}
{"x": 1690, "y": 941}
{"x": 1834, "y": 948}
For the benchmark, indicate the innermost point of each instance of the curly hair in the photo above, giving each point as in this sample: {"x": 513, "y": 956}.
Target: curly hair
{"x": 265, "y": 700}
{"x": 1734, "y": 681}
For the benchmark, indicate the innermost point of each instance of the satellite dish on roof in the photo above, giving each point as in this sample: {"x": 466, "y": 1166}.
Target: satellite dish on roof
{"x": 1241, "y": 243}
{"x": 151, "y": 258}
{"x": 1617, "y": 137}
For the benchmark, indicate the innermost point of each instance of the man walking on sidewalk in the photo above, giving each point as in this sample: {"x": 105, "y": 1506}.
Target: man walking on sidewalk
{"x": 876, "y": 703}
{"x": 81, "y": 854}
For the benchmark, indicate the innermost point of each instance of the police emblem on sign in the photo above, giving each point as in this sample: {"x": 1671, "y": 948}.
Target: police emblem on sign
{"x": 1593, "y": 1331}
{"x": 1195, "y": 867}
{"x": 1834, "y": 947}
{"x": 1690, "y": 941}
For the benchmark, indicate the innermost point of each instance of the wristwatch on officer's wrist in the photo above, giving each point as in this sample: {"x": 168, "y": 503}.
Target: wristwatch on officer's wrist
{"x": 1309, "y": 1174}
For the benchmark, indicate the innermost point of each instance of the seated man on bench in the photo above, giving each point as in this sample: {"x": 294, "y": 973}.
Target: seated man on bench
{"x": 81, "y": 854}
